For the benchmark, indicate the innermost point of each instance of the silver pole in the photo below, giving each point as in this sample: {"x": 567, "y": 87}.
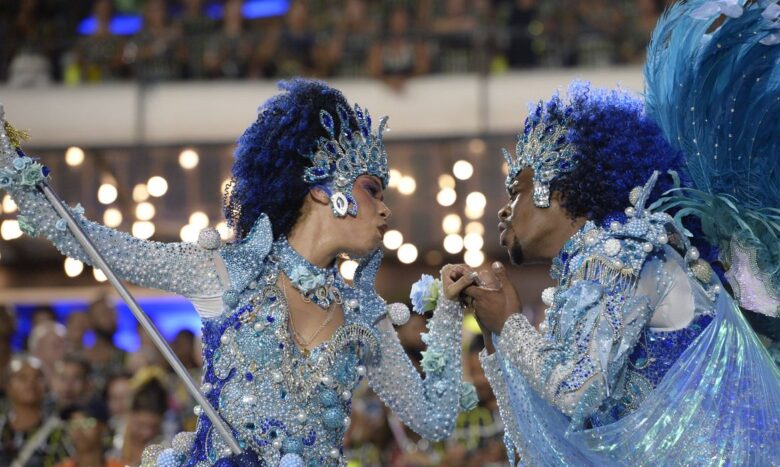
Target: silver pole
{"x": 159, "y": 341}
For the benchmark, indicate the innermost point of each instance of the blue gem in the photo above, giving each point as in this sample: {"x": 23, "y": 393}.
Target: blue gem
{"x": 249, "y": 376}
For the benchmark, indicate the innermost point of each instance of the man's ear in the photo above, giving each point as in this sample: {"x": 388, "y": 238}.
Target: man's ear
{"x": 319, "y": 195}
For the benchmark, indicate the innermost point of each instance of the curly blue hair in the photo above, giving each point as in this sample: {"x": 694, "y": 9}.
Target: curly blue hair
{"x": 270, "y": 156}
{"x": 617, "y": 147}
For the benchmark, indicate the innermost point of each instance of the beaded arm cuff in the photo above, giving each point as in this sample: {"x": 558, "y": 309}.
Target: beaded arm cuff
{"x": 428, "y": 406}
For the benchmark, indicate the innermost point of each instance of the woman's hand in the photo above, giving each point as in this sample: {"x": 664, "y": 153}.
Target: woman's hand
{"x": 455, "y": 278}
{"x": 494, "y": 305}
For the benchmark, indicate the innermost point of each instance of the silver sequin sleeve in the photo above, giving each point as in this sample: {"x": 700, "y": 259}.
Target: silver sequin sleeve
{"x": 576, "y": 364}
{"x": 428, "y": 406}
{"x": 495, "y": 377}
{"x": 182, "y": 268}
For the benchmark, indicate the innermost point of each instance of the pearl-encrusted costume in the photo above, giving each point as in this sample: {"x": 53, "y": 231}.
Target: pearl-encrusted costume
{"x": 283, "y": 405}
{"x": 640, "y": 359}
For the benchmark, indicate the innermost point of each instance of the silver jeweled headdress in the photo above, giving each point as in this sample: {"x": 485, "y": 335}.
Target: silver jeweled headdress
{"x": 339, "y": 161}
{"x": 543, "y": 147}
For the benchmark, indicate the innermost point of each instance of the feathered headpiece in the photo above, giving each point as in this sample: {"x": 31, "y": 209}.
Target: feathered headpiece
{"x": 712, "y": 82}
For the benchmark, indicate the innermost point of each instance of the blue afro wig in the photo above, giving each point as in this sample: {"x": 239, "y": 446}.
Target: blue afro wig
{"x": 270, "y": 156}
{"x": 617, "y": 147}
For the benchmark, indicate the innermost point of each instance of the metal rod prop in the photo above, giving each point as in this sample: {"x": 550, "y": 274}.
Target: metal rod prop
{"x": 159, "y": 341}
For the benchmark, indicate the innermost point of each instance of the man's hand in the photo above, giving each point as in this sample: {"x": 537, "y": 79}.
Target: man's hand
{"x": 455, "y": 278}
{"x": 493, "y": 306}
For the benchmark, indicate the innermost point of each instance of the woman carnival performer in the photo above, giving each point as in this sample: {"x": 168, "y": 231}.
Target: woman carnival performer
{"x": 286, "y": 339}
{"x": 643, "y": 358}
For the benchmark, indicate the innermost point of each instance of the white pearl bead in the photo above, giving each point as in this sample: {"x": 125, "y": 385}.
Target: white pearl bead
{"x": 716, "y": 289}
{"x": 630, "y": 212}
{"x": 259, "y": 326}
{"x": 196, "y": 410}
{"x": 334, "y": 453}
{"x": 614, "y": 225}
{"x": 346, "y": 422}
{"x": 277, "y": 443}
{"x": 226, "y": 452}
{"x": 277, "y": 377}
{"x": 224, "y": 339}
{"x": 693, "y": 254}
{"x": 346, "y": 395}
{"x": 648, "y": 247}
{"x": 361, "y": 370}
{"x": 206, "y": 387}
{"x": 326, "y": 380}
{"x": 663, "y": 239}
{"x": 301, "y": 417}
{"x": 352, "y": 303}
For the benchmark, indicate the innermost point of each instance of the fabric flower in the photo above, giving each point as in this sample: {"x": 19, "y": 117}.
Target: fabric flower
{"x": 424, "y": 294}
{"x": 432, "y": 361}
{"x": 21, "y": 162}
{"x": 32, "y": 174}
{"x": 468, "y": 396}
{"x": 440, "y": 387}
{"x": 61, "y": 225}
{"x": 78, "y": 210}
{"x": 27, "y": 226}
{"x": 6, "y": 178}
{"x": 305, "y": 278}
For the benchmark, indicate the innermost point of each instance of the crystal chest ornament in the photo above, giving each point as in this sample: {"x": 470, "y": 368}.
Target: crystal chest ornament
{"x": 340, "y": 160}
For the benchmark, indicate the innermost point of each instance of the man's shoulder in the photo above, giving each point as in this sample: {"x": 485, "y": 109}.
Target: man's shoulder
{"x": 619, "y": 250}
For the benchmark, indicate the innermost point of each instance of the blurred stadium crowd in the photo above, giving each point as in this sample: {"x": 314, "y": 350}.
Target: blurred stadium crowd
{"x": 64, "y": 403}
{"x": 83, "y": 41}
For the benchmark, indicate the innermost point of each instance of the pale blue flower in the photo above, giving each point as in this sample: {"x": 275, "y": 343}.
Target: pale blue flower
{"x": 27, "y": 226}
{"x": 32, "y": 174}
{"x": 440, "y": 387}
{"x": 21, "y": 162}
{"x": 6, "y": 178}
{"x": 61, "y": 225}
{"x": 468, "y": 396}
{"x": 78, "y": 210}
{"x": 432, "y": 361}
{"x": 305, "y": 278}
{"x": 424, "y": 294}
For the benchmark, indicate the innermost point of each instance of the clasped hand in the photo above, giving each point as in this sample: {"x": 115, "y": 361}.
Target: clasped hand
{"x": 491, "y": 295}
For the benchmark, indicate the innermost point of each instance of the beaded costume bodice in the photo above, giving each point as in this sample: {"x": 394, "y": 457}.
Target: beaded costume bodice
{"x": 277, "y": 399}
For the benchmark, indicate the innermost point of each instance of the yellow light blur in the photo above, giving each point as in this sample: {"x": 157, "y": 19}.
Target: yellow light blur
{"x": 112, "y": 217}
{"x": 140, "y": 193}
{"x": 474, "y": 258}
{"x": 446, "y": 181}
{"x": 473, "y": 241}
{"x": 347, "y": 269}
{"x": 144, "y": 211}
{"x": 407, "y": 253}
{"x": 73, "y": 267}
{"x": 188, "y": 159}
{"x": 451, "y": 224}
{"x": 453, "y": 244}
{"x": 8, "y": 204}
{"x": 395, "y": 177}
{"x": 407, "y": 185}
{"x": 475, "y": 228}
{"x": 393, "y": 239}
{"x": 157, "y": 186}
{"x": 463, "y": 170}
{"x": 199, "y": 219}
{"x": 74, "y": 156}
{"x": 446, "y": 197}
{"x": 107, "y": 193}
{"x": 143, "y": 229}
{"x": 98, "y": 274}
{"x": 189, "y": 233}
{"x": 9, "y": 229}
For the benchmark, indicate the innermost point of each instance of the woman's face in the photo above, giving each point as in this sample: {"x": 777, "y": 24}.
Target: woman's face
{"x": 363, "y": 233}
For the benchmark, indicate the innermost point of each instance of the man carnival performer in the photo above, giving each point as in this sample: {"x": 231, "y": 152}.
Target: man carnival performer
{"x": 642, "y": 357}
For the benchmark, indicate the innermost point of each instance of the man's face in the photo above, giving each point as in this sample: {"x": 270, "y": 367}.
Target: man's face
{"x": 529, "y": 233}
